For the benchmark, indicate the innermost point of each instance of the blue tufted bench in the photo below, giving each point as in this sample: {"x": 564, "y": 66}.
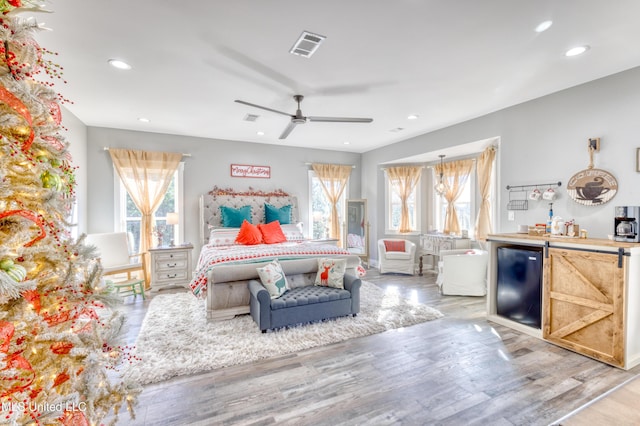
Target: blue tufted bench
{"x": 303, "y": 304}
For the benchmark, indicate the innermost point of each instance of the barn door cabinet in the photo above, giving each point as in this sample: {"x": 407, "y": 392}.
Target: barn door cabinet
{"x": 584, "y": 303}
{"x": 590, "y": 296}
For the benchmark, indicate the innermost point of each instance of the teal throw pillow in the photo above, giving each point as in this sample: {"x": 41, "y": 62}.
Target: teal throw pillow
{"x": 282, "y": 214}
{"x": 233, "y": 218}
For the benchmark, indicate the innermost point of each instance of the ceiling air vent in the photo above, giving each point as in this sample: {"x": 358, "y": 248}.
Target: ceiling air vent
{"x": 250, "y": 117}
{"x": 307, "y": 44}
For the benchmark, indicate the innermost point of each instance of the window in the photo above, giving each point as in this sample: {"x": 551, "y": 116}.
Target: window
{"x": 320, "y": 208}
{"x": 394, "y": 205}
{"x": 127, "y": 215}
{"x": 465, "y": 206}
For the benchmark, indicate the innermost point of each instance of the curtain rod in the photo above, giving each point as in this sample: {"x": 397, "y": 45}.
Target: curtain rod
{"x": 385, "y": 168}
{"x": 106, "y": 148}
{"x": 352, "y": 166}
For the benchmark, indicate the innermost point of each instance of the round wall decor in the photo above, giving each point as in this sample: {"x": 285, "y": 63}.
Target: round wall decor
{"x": 592, "y": 187}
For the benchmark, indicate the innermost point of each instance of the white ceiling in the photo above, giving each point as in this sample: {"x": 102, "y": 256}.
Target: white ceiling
{"x": 445, "y": 60}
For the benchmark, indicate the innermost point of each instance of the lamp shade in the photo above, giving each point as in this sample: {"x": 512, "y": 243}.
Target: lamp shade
{"x": 172, "y": 218}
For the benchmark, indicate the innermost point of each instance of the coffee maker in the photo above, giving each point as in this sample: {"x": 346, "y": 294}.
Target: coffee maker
{"x": 626, "y": 224}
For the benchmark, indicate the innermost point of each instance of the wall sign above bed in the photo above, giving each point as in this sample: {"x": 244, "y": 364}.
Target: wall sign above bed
{"x": 249, "y": 171}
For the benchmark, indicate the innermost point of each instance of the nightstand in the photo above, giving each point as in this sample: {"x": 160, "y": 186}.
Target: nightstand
{"x": 171, "y": 267}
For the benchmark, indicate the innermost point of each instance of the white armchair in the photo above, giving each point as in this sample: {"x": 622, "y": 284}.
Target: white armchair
{"x": 463, "y": 272}
{"x": 114, "y": 255}
{"x": 396, "y": 255}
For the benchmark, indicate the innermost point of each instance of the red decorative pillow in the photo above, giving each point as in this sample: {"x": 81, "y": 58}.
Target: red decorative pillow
{"x": 249, "y": 234}
{"x": 394, "y": 245}
{"x": 272, "y": 232}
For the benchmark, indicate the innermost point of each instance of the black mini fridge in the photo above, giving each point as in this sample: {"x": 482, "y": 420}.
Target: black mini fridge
{"x": 519, "y": 284}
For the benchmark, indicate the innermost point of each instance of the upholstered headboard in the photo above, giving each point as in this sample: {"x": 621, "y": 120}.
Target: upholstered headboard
{"x": 210, "y": 203}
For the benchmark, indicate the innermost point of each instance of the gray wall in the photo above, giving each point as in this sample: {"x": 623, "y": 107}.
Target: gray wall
{"x": 76, "y": 135}
{"x": 543, "y": 140}
{"x": 207, "y": 167}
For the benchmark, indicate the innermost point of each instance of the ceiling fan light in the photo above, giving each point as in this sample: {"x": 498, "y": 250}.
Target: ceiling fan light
{"x": 299, "y": 118}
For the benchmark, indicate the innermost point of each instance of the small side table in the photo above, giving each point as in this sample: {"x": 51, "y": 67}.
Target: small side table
{"x": 171, "y": 267}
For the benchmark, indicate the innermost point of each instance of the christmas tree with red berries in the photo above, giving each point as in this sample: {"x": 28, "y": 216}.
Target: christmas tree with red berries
{"x": 58, "y": 327}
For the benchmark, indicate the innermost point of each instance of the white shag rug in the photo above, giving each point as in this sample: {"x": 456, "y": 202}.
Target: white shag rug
{"x": 175, "y": 338}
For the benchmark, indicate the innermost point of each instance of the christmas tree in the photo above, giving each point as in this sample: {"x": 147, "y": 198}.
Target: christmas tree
{"x": 58, "y": 326}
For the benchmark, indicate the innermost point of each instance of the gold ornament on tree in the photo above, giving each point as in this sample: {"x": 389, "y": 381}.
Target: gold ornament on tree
{"x": 51, "y": 180}
{"x": 16, "y": 272}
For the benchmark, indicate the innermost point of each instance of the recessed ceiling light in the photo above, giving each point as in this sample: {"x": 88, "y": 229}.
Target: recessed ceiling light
{"x": 543, "y": 26}
{"x": 413, "y": 117}
{"x": 576, "y": 51}
{"x": 260, "y": 133}
{"x": 143, "y": 120}
{"x": 346, "y": 142}
{"x": 121, "y": 65}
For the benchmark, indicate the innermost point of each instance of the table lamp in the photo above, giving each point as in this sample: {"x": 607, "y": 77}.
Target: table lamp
{"x": 172, "y": 219}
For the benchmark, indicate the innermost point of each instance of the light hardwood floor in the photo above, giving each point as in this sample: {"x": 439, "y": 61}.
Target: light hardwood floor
{"x": 618, "y": 407}
{"x": 457, "y": 370}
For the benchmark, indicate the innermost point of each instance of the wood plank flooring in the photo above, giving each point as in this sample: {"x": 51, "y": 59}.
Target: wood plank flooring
{"x": 617, "y": 407}
{"x": 457, "y": 370}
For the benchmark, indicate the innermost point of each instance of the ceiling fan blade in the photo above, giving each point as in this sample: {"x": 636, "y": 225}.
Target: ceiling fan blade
{"x": 340, "y": 119}
{"x": 262, "y": 107}
{"x": 288, "y": 130}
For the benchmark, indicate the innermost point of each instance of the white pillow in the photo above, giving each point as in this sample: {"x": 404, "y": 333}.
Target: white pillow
{"x": 292, "y": 232}
{"x": 273, "y": 279}
{"x": 331, "y": 272}
{"x": 223, "y": 236}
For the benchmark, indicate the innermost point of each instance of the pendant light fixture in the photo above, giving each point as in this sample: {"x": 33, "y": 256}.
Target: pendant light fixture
{"x": 440, "y": 187}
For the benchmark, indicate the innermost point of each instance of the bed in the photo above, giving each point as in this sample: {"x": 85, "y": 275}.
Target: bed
{"x": 224, "y": 267}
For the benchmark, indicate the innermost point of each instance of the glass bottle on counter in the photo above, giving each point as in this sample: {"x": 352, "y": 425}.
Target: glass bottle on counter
{"x": 550, "y": 219}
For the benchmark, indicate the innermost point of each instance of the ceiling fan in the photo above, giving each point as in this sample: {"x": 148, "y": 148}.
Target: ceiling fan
{"x": 298, "y": 118}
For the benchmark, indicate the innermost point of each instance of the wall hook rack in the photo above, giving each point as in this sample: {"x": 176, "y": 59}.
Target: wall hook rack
{"x": 532, "y": 186}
